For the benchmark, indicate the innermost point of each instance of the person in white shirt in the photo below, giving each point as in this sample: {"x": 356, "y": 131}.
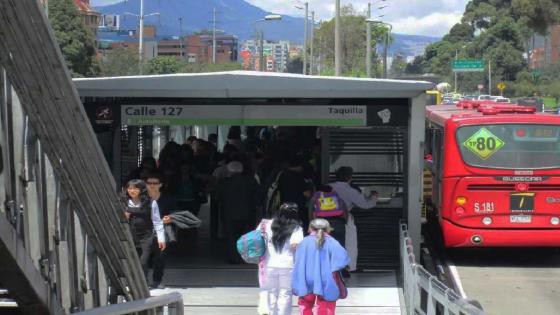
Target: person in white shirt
{"x": 282, "y": 234}
{"x": 351, "y": 197}
{"x": 143, "y": 216}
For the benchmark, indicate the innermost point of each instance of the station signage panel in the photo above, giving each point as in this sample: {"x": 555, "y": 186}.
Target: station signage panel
{"x": 248, "y": 115}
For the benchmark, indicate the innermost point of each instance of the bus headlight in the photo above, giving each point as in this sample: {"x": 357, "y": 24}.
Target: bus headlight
{"x": 461, "y": 200}
{"x": 487, "y": 220}
{"x": 554, "y": 221}
{"x": 460, "y": 210}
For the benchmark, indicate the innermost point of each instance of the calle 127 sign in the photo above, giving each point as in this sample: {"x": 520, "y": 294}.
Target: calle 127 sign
{"x": 483, "y": 143}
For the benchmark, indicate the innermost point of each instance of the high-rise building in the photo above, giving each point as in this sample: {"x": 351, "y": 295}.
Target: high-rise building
{"x": 276, "y": 54}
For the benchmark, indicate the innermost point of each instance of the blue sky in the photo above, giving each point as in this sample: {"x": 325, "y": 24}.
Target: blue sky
{"x": 415, "y": 17}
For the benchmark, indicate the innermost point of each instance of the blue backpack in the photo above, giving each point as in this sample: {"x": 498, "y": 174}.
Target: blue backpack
{"x": 252, "y": 246}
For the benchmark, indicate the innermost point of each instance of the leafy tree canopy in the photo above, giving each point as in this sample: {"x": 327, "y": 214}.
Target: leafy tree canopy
{"x": 76, "y": 41}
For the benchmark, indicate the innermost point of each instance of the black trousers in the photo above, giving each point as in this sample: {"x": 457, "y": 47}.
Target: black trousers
{"x": 159, "y": 259}
{"x": 144, "y": 250}
{"x": 339, "y": 229}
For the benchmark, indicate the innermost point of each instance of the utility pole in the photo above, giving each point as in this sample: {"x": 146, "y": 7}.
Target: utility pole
{"x": 261, "y": 52}
{"x": 385, "y": 48}
{"x": 337, "y": 47}
{"x": 368, "y": 42}
{"x": 141, "y": 44}
{"x": 489, "y": 77}
{"x": 305, "y": 33}
{"x": 181, "y": 37}
{"x": 456, "y": 57}
{"x": 214, "y": 37}
{"x": 311, "y": 56}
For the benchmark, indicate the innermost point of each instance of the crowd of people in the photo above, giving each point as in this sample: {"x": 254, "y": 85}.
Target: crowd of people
{"x": 236, "y": 180}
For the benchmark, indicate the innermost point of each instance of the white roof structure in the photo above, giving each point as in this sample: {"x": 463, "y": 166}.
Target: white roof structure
{"x": 247, "y": 84}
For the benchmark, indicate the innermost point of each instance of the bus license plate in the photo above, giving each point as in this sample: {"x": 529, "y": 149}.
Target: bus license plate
{"x": 520, "y": 218}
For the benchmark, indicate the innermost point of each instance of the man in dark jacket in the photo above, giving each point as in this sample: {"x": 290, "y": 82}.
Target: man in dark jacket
{"x": 237, "y": 196}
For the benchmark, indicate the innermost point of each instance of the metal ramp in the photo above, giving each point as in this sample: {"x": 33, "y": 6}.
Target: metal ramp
{"x": 64, "y": 241}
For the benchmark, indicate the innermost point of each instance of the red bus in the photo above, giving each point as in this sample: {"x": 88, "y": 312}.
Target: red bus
{"x": 496, "y": 174}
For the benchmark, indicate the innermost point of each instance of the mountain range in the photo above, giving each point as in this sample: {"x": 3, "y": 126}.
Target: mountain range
{"x": 236, "y": 17}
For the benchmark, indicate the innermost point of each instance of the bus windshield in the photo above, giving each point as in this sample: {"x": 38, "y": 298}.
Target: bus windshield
{"x": 510, "y": 146}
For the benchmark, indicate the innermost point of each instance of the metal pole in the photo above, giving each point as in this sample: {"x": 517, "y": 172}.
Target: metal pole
{"x": 337, "y": 46}
{"x": 368, "y": 43}
{"x": 385, "y": 54}
{"x": 181, "y": 37}
{"x": 141, "y": 44}
{"x": 311, "y": 57}
{"x": 305, "y": 33}
{"x": 456, "y": 56}
{"x": 261, "y": 63}
{"x": 489, "y": 78}
{"x": 214, "y": 38}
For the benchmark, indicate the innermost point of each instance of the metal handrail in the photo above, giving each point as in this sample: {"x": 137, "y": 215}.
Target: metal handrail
{"x": 173, "y": 300}
{"x": 421, "y": 286}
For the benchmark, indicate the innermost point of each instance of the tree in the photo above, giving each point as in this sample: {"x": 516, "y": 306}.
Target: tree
{"x": 398, "y": 67}
{"x": 353, "y": 39}
{"x": 165, "y": 65}
{"x": 120, "y": 61}
{"x": 295, "y": 65}
{"x": 460, "y": 32}
{"x": 75, "y": 40}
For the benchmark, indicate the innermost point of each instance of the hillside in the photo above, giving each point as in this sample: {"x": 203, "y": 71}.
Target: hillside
{"x": 235, "y": 17}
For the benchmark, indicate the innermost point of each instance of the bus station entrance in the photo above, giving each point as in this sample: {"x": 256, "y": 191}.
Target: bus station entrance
{"x": 373, "y": 126}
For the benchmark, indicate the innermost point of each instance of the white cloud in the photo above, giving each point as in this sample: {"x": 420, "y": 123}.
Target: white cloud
{"x": 417, "y": 17}
{"x": 430, "y": 25}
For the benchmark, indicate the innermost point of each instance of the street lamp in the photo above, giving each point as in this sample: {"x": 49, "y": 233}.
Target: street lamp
{"x": 305, "y": 33}
{"x": 141, "y": 37}
{"x": 386, "y": 43}
{"x": 368, "y": 38}
{"x": 270, "y": 17}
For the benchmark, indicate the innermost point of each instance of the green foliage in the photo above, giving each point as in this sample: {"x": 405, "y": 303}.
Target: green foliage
{"x": 295, "y": 65}
{"x": 75, "y": 40}
{"x": 353, "y": 43}
{"x": 497, "y": 31}
{"x": 398, "y": 67}
{"x": 120, "y": 61}
{"x": 165, "y": 65}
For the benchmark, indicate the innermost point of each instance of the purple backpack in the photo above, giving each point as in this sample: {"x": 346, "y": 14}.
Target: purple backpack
{"x": 327, "y": 204}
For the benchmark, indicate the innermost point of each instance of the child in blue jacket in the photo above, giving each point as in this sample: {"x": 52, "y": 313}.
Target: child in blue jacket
{"x": 318, "y": 258}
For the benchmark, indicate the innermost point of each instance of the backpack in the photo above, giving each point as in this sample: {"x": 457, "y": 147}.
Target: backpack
{"x": 273, "y": 201}
{"x": 252, "y": 246}
{"x": 327, "y": 204}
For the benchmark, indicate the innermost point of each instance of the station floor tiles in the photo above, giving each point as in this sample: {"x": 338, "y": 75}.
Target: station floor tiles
{"x": 234, "y": 291}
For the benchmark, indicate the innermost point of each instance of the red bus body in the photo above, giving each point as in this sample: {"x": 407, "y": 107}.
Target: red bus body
{"x": 494, "y": 206}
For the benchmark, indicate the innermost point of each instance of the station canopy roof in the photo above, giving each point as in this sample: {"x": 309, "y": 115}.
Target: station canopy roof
{"x": 247, "y": 84}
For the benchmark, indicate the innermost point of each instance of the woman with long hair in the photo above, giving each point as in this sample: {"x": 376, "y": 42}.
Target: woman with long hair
{"x": 282, "y": 234}
{"x": 143, "y": 216}
{"x": 319, "y": 258}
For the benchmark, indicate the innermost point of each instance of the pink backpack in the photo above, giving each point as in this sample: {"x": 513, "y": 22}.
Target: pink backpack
{"x": 327, "y": 204}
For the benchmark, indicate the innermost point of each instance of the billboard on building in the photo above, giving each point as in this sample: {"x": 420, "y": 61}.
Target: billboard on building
{"x": 110, "y": 21}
